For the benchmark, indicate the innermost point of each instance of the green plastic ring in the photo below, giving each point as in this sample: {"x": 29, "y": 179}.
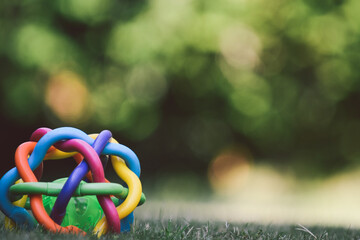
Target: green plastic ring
{"x": 53, "y": 189}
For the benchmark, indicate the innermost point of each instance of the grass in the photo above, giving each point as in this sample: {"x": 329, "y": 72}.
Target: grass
{"x": 181, "y": 229}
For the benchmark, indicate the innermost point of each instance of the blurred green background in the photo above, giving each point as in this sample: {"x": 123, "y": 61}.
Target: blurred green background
{"x": 182, "y": 80}
{"x": 197, "y": 87}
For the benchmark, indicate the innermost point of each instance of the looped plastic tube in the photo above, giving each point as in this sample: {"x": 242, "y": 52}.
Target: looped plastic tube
{"x": 54, "y": 188}
{"x": 134, "y": 195}
{"x": 10, "y": 224}
{"x": 59, "y": 209}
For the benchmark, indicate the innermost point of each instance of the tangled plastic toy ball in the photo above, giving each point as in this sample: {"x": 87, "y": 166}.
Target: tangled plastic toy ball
{"x": 85, "y": 200}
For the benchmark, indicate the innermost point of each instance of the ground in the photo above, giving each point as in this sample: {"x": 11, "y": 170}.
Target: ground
{"x": 181, "y": 229}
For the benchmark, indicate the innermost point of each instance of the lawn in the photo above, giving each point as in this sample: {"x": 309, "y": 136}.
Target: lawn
{"x": 181, "y": 229}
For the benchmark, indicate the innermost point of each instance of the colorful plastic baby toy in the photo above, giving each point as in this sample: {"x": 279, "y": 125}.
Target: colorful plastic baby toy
{"x": 71, "y": 202}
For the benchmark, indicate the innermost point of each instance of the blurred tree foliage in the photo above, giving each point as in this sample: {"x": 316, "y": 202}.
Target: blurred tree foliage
{"x": 184, "y": 79}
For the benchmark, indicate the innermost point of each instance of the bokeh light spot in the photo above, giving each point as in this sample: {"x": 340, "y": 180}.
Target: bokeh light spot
{"x": 146, "y": 85}
{"x": 36, "y": 45}
{"x": 137, "y": 122}
{"x": 240, "y": 46}
{"x": 328, "y": 34}
{"x": 89, "y": 11}
{"x": 108, "y": 99}
{"x": 68, "y": 97}
{"x": 251, "y": 95}
{"x": 229, "y": 170}
{"x": 335, "y": 78}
